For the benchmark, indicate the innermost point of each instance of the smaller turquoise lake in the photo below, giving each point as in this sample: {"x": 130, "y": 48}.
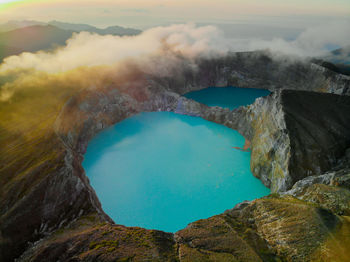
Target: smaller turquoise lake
{"x": 227, "y": 97}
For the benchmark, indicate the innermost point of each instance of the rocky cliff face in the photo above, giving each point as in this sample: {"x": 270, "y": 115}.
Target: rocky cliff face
{"x": 54, "y": 202}
{"x": 258, "y": 70}
{"x": 270, "y": 142}
{"x": 297, "y": 134}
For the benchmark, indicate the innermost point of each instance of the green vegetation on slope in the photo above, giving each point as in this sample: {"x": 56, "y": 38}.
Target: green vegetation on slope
{"x": 28, "y": 143}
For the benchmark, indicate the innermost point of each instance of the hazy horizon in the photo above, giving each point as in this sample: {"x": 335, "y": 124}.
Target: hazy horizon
{"x": 144, "y": 14}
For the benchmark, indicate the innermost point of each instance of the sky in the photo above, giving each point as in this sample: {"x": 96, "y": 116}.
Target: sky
{"x": 147, "y": 13}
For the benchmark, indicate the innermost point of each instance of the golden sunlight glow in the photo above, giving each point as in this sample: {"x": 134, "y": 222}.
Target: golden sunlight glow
{"x": 8, "y": 1}
{"x": 146, "y": 13}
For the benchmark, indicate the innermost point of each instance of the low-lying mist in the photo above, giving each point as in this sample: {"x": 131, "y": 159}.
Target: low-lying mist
{"x": 87, "y": 59}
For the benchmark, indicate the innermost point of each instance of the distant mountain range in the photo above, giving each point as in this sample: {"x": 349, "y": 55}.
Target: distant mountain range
{"x": 31, "y": 36}
{"x": 13, "y": 24}
{"x": 111, "y": 30}
{"x": 337, "y": 60}
{"x": 341, "y": 55}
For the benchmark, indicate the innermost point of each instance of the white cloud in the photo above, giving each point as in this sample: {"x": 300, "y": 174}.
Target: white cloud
{"x": 312, "y": 42}
{"x": 86, "y": 49}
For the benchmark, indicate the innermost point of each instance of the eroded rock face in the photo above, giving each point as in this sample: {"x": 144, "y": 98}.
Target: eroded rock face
{"x": 271, "y": 148}
{"x": 296, "y": 134}
{"x": 330, "y": 190}
{"x": 320, "y": 126}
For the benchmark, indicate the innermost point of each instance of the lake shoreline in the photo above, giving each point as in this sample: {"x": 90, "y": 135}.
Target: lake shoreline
{"x": 245, "y": 148}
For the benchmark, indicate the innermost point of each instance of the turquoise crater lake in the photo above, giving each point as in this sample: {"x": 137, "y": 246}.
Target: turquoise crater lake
{"x": 227, "y": 97}
{"x": 162, "y": 170}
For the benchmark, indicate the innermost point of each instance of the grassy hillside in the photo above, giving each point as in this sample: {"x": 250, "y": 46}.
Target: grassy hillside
{"x": 32, "y": 157}
{"x": 27, "y": 139}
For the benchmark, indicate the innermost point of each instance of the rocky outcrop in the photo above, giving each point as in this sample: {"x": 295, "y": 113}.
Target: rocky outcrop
{"x": 330, "y": 190}
{"x": 296, "y": 134}
{"x": 88, "y": 240}
{"x": 270, "y": 142}
{"x": 268, "y": 229}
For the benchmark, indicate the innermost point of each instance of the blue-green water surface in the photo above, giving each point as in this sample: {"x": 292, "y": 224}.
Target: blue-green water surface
{"x": 163, "y": 170}
{"x": 227, "y": 97}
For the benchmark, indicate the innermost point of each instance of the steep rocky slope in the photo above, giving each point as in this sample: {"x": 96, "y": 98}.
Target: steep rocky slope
{"x": 297, "y": 134}
{"x": 46, "y": 195}
{"x": 259, "y": 70}
{"x": 268, "y": 229}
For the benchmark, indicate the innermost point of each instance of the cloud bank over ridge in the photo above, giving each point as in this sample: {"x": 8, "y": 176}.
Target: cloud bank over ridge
{"x": 159, "y": 51}
{"x": 188, "y": 40}
{"x": 87, "y": 49}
